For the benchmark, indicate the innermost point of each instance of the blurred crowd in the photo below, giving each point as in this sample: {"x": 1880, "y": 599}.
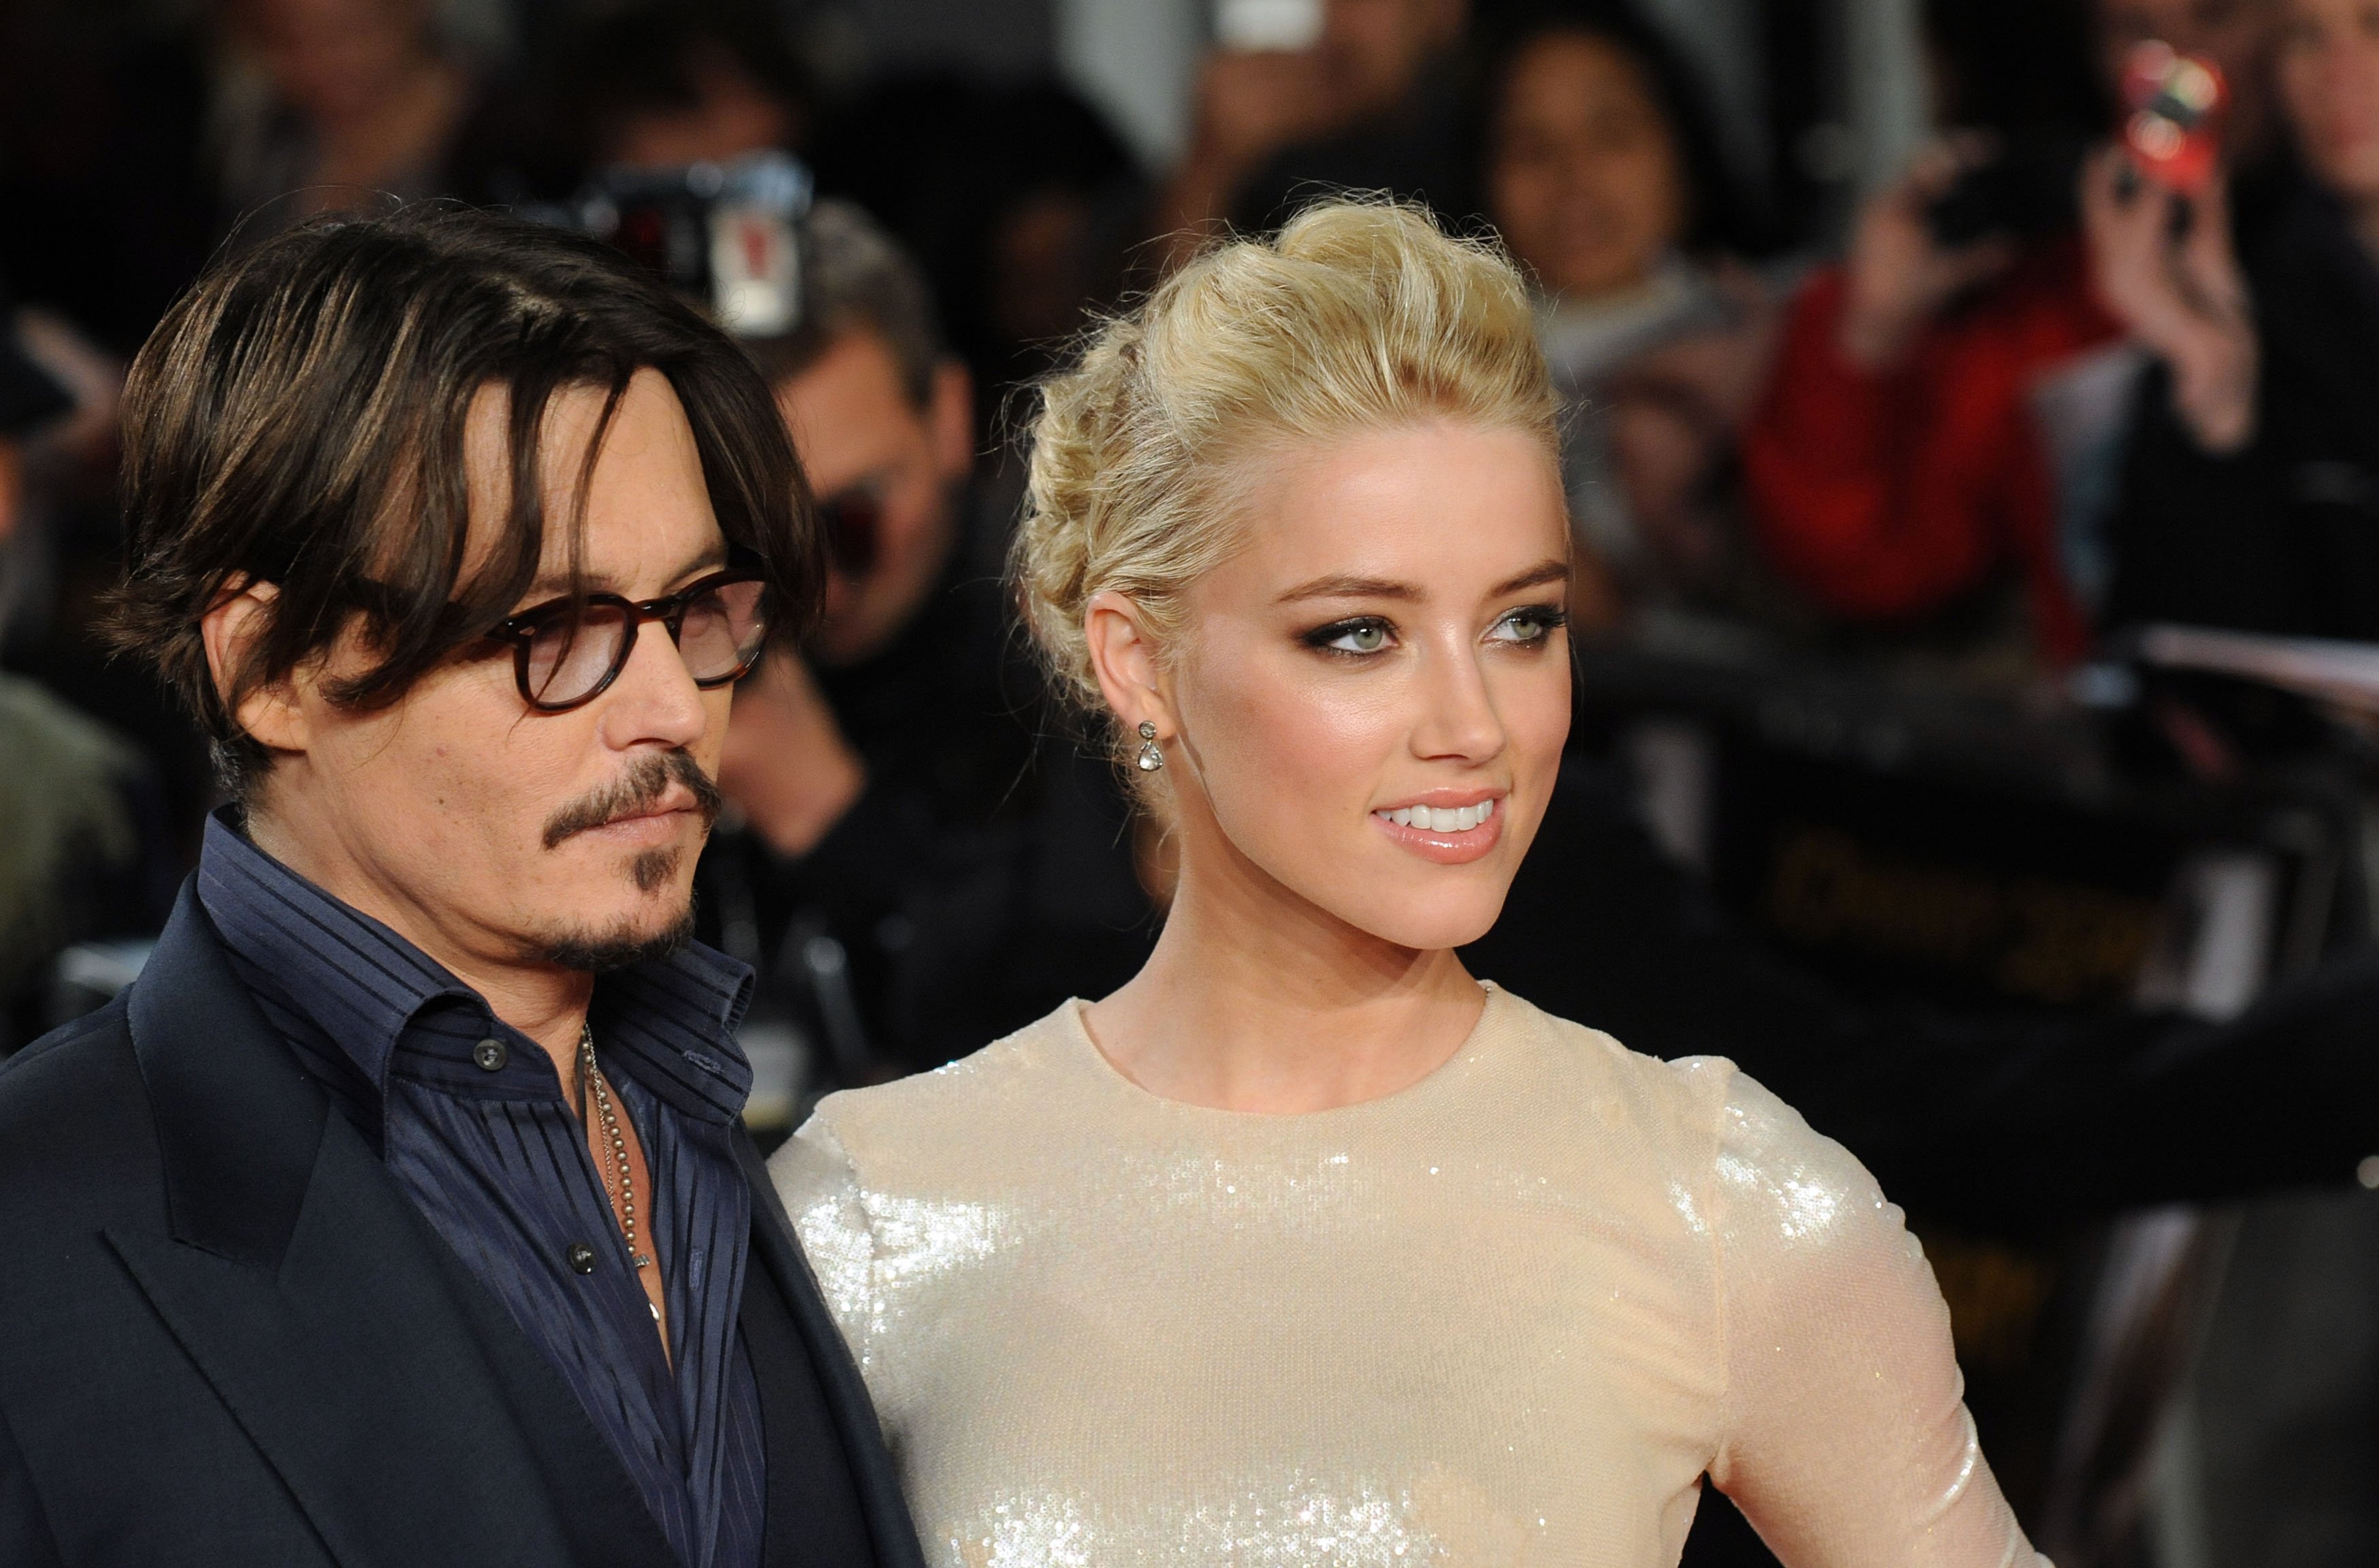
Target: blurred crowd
{"x": 1946, "y": 449}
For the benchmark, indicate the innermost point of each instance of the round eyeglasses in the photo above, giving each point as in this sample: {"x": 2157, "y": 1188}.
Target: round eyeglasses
{"x": 566, "y": 652}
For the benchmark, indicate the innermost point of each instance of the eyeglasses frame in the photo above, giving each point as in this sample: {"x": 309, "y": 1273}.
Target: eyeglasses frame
{"x": 519, "y": 631}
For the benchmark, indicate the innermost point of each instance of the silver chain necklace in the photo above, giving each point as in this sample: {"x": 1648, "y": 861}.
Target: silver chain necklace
{"x": 590, "y": 1076}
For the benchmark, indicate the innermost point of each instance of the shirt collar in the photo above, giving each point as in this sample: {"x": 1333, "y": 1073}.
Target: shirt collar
{"x": 670, "y": 1021}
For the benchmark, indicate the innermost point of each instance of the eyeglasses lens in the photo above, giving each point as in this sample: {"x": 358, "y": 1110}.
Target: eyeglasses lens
{"x": 568, "y": 658}
{"x": 723, "y": 629}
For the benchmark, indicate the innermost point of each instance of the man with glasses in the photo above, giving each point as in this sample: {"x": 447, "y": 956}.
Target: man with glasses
{"x": 400, "y": 1212}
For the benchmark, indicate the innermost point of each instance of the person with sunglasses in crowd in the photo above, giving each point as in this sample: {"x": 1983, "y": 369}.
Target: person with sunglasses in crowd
{"x": 904, "y": 800}
{"x": 400, "y": 1211}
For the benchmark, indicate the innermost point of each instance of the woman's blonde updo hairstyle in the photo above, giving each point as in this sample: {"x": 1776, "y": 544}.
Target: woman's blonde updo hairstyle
{"x": 1359, "y": 316}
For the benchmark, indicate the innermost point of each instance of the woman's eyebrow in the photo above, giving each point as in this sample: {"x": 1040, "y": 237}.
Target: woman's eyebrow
{"x": 1536, "y": 576}
{"x": 1344, "y": 587}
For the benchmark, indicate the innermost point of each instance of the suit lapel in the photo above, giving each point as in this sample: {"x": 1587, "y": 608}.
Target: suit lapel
{"x": 298, "y": 1278}
{"x": 410, "y": 1419}
{"x": 775, "y": 1248}
{"x": 349, "y": 1368}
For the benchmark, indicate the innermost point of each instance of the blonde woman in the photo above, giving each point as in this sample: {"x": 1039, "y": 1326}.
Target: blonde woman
{"x": 1306, "y": 1246}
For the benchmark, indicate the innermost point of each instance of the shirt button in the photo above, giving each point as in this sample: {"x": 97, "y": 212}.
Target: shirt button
{"x": 491, "y": 1054}
{"x": 581, "y": 1257}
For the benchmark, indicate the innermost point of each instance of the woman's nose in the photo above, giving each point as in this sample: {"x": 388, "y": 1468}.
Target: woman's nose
{"x": 1458, "y": 717}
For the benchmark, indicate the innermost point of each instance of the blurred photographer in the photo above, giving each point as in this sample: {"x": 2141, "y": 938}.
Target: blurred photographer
{"x": 2251, "y": 495}
{"x": 903, "y": 801}
{"x": 1948, "y": 394}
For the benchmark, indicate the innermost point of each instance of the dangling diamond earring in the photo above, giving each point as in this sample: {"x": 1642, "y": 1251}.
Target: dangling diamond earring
{"x": 1150, "y": 758}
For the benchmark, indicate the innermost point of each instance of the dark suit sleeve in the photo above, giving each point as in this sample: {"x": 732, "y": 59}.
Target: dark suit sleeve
{"x": 24, "y": 1528}
{"x": 1996, "y": 1120}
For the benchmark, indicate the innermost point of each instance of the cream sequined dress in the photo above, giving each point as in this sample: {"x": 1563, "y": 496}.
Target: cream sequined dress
{"x": 1510, "y": 1315}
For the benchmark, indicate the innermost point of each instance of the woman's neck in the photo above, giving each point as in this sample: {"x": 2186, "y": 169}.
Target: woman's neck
{"x": 1257, "y": 1000}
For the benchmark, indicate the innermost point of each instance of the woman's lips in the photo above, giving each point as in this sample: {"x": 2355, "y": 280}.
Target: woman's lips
{"x": 1447, "y": 834}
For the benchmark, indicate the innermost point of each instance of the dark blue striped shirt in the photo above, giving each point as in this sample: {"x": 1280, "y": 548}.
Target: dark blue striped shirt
{"x": 497, "y": 1162}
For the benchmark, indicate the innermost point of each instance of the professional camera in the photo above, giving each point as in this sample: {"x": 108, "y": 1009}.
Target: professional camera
{"x": 728, "y": 237}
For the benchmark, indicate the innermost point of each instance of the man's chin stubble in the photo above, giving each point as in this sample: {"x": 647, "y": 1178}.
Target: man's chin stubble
{"x": 625, "y": 943}
{"x": 628, "y": 941}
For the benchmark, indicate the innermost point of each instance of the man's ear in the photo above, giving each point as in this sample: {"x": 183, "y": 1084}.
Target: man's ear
{"x": 1125, "y": 657}
{"x": 949, "y": 420}
{"x": 271, "y": 714}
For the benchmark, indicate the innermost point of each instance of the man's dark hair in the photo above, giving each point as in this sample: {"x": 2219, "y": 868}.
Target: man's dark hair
{"x": 298, "y": 419}
{"x": 855, "y": 277}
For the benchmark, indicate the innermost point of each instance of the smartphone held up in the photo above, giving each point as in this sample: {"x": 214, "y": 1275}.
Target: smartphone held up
{"x": 2173, "y": 106}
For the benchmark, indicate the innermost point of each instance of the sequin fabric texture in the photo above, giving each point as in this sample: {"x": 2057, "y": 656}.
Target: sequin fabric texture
{"x": 1509, "y": 1316}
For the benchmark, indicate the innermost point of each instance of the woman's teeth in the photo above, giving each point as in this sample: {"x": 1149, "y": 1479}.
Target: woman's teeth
{"x": 1439, "y": 819}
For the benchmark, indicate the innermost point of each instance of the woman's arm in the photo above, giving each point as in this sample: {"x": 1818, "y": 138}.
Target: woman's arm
{"x": 1846, "y": 1442}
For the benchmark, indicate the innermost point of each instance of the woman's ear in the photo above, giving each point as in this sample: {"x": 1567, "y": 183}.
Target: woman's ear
{"x": 1125, "y": 657}
{"x": 272, "y": 714}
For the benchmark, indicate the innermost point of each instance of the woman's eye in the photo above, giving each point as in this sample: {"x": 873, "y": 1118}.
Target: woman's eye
{"x": 1352, "y": 636}
{"x": 1532, "y": 625}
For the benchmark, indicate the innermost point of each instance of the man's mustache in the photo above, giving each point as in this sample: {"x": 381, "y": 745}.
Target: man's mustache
{"x": 637, "y": 791}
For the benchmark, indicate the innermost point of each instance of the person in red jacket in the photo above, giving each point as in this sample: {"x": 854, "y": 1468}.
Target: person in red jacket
{"x": 1898, "y": 464}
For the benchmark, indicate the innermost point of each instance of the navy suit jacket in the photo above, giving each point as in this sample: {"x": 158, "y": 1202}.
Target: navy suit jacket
{"x": 228, "y": 1338}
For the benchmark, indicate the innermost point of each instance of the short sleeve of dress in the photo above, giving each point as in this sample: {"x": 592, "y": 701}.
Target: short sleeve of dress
{"x": 1847, "y": 1444}
{"x": 819, "y": 1186}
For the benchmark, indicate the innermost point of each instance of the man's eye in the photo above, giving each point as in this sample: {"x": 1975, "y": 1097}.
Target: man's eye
{"x": 1351, "y": 636}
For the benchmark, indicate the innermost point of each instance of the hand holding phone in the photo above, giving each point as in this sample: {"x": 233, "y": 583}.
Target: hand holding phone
{"x": 2156, "y": 220}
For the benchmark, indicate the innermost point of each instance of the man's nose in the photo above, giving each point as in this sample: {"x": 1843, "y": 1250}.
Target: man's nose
{"x": 655, "y": 697}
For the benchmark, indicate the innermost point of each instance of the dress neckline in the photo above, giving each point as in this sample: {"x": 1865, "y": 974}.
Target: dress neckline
{"x": 1434, "y": 1082}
